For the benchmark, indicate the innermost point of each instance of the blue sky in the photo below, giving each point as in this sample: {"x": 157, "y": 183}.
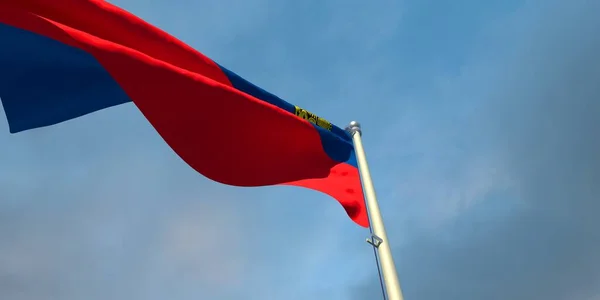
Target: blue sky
{"x": 479, "y": 121}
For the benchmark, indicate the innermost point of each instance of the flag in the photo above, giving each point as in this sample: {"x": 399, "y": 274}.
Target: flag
{"x": 60, "y": 60}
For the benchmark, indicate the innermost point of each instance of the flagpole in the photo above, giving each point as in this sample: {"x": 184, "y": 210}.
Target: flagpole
{"x": 379, "y": 238}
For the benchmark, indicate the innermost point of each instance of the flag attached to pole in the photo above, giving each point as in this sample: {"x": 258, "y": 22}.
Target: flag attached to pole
{"x": 60, "y": 60}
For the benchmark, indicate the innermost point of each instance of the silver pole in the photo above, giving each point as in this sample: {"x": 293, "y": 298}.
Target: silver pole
{"x": 379, "y": 239}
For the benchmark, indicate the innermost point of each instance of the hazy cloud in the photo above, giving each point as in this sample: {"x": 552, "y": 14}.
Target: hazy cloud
{"x": 537, "y": 116}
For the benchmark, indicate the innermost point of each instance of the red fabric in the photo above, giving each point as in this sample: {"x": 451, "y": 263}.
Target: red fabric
{"x": 223, "y": 133}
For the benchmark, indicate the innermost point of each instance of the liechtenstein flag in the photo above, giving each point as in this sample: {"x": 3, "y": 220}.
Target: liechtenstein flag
{"x": 62, "y": 59}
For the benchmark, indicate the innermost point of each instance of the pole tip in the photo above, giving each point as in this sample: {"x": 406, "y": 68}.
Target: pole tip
{"x": 353, "y": 128}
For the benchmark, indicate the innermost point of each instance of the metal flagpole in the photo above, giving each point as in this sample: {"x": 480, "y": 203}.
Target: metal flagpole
{"x": 379, "y": 238}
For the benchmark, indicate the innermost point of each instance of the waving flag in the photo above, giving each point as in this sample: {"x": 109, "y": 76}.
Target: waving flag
{"x": 60, "y": 60}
